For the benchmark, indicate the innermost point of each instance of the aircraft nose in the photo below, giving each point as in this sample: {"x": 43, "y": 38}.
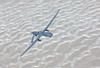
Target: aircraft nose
{"x": 51, "y": 34}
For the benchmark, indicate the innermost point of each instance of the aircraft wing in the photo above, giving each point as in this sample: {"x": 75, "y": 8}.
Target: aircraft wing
{"x": 31, "y": 45}
{"x": 51, "y": 21}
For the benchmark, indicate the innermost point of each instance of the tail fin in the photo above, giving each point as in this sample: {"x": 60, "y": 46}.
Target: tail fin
{"x": 32, "y": 39}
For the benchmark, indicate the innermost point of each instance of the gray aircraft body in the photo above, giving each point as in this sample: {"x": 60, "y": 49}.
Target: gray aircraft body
{"x": 45, "y": 32}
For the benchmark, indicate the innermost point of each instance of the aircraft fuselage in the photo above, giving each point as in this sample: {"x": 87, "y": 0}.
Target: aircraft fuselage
{"x": 47, "y": 34}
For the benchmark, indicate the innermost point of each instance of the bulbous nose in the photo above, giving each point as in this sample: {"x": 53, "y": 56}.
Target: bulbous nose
{"x": 51, "y": 35}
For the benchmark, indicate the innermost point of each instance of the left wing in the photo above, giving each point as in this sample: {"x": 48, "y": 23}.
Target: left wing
{"x": 51, "y": 21}
{"x": 31, "y": 45}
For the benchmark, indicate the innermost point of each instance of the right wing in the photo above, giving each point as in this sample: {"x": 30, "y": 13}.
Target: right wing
{"x": 51, "y": 21}
{"x": 31, "y": 45}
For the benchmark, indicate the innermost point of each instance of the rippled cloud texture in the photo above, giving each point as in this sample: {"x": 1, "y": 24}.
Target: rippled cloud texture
{"x": 76, "y": 33}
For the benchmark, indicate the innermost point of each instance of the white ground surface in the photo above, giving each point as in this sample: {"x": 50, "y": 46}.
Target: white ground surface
{"x": 76, "y": 33}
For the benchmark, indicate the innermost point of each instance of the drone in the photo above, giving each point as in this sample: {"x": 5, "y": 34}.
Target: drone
{"x": 39, "y": 34}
